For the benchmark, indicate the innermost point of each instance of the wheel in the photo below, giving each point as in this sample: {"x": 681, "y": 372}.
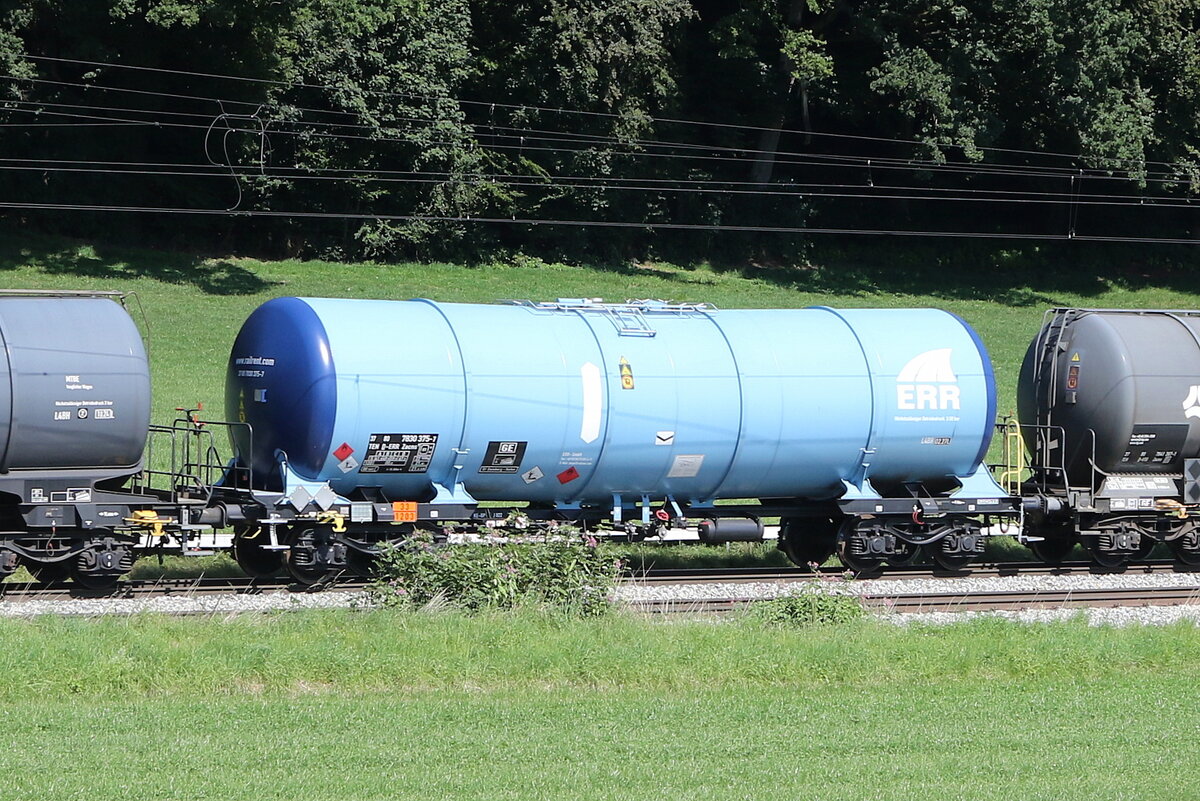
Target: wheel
{"x": 1058, "y": 540}
{"x": 49, "y": 572}
{"x": 304, "y": 562}
{"x": 360, "y": 564}
{"x": 253, "y": 560}
{"x": 1144, "y": 550}
{"x": 307, "y": 575}
{"x": 1051, "y": 551}
{"x": 1185, "y": 544}
{"x": 907, "y": 554}
{"x": 953, "y": 562}
{"x": 1185, "y": 555}
{"x": 808, "y": 540}
{"x": 94, "y": 581}
{"x": 858, "y": 563}
{"x": 1105, "y": 559}
{"x": 100, "y": 568}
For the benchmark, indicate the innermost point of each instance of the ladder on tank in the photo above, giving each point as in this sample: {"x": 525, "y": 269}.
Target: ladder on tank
{"x": 628, "y": 318}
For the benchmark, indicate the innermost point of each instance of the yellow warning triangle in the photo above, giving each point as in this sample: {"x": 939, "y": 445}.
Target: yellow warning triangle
{"x": 1075, "y": 358}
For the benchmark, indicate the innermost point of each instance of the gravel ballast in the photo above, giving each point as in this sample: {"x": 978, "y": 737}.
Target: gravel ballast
{"x": 207, "y": 604}
{"x": 231, "y": 604}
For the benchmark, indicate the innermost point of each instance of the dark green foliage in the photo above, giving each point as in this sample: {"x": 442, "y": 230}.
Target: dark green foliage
{"x": 379, "y": 128}
{"x": 569, "y": 575}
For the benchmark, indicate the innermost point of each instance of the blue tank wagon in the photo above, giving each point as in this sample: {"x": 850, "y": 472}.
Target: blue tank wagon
{"x": 864, "y": 430}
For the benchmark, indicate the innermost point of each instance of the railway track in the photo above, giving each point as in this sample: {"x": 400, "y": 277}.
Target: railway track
{"x": 28, "y": 591}
{"x": 739, "y": 575}
{"x": 982, "y": 601}
{"x": 958, "y": 600}
{"x": 19, "y": 591}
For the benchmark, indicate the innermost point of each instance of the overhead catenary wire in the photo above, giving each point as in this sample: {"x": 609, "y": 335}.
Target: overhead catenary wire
{"x": 553, "y": 110}
{"x": 542, "y": 135}
{"x": 285, "y": 172}
{"x": 778, "y": 157}
{"x": 562, "y": 143}
{"x": 814, "y": 192}
{"x": 818, "y": 160}
{"x": 600, "y": 179}
{"x": 645, "y": 225}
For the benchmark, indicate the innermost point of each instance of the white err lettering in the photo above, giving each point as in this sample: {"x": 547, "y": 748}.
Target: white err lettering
{"x": 928, "y": 381}
{"x": 912, "y": 397}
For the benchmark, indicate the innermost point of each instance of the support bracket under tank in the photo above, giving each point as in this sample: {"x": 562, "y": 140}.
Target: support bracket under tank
{"x": 457, "y": 495}
{"x": 980, "y": 484}
{"x": 854, "y": 492}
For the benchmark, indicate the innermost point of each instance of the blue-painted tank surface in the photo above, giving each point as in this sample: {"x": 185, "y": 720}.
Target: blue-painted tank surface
{"x": 576, "y": 402}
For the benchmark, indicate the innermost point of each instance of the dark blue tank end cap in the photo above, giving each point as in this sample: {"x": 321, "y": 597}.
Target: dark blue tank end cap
{"x": 281, "y": 380}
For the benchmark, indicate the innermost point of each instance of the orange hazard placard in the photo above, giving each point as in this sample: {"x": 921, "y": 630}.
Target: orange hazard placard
{"x": 404, "y": 512}
{"x": 626, "y": 374}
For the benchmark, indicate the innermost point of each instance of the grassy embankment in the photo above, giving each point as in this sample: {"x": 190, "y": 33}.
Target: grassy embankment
{"x": 194, "y": 305}
{"x": 387, "y": 705}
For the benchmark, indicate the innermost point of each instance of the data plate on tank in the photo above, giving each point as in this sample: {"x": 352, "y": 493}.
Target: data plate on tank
{"x": 399, "y": 453}
{"x": 1131, "y": 504}
{"x": 503, "y": 456}
{"x": 1155, "y": 444}
{"x": 686, "y": 465}
{"x": 1133, "y": 486}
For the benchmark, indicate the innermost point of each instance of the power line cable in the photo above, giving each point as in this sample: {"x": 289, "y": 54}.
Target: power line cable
{"x": 554, "y": 110}
{"x": 597, "y": 223}
{"x": 818, "y": 191}
{"x": 778, "y": 157}
{"x": 813, "y": 160}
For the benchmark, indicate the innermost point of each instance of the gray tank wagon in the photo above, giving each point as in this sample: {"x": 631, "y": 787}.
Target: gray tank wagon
{"x": 1109, "y": 404}
{"x": 74, "y": 417}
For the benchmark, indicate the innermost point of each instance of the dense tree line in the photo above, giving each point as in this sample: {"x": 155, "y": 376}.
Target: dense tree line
{"x": 385, "y": 128}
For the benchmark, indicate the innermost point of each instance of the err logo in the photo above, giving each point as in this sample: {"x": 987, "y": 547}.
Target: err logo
{"x": 1191, "y": 404}
{"x": 928, "y": 382}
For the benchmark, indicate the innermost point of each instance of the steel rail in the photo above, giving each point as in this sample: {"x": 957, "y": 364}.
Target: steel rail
{"x": 963, "y": 601}
{"x": 168, "y": 587}
{"x": 739, "y": 575}
{"x": 12, "y": 591}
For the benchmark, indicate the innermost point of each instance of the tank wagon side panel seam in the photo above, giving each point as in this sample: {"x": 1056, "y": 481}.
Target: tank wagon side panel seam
{"x": 450, "y": 479}
{"x": 605, "y": 406}
{"x": 861, "y": 469}
{"x": 741, "y": 423}
{"x": 12, "y": 399}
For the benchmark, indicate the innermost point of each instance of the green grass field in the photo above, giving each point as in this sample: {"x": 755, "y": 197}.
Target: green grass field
{"x": 346, "y": 705}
